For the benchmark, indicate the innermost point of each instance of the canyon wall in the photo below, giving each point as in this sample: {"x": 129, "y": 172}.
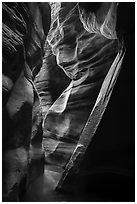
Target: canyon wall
{"x": 60, "y": 62}
{"x": 23, "y": 38}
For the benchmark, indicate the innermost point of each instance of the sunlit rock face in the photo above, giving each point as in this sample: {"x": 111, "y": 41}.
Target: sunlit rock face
{"x": 23, "y": 38}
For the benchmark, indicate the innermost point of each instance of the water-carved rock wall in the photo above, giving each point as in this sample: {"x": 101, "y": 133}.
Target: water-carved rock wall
{"x": 60, "y": 65}
{"x": 23, "y": 38}
{"x": 86, "y": 57}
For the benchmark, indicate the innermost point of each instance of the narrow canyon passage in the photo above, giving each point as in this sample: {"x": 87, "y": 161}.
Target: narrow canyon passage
{"x": 67, "y": 101}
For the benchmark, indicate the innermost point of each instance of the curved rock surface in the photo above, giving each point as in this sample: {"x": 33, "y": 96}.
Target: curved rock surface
{"x": 23, "y": 38}
{"x": 61, "y": 61}
{"x": 86, "y": 58}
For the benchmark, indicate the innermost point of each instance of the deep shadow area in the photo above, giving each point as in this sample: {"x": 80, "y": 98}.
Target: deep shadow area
{"x": 90, "y": 6}
{"x": 99, "y": 187}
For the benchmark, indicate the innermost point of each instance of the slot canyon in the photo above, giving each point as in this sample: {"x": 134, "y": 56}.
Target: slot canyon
{"x": 68, "y": 101}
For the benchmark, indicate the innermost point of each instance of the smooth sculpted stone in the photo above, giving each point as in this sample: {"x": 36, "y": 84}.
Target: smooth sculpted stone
{"x": 51, "y": 81}
{"x": 22, "y": 117}
{"x": 17, "y": 99}
{"x": 86, "y": 50}
{"x": 41, "y": 19}
{"x": 60, "y": 64}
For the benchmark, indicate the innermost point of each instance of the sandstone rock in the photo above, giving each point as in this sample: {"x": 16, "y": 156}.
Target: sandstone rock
{"x": 22, "y": 23}
{"x": 60, "y": 64}
{"x": 86, "y": 58}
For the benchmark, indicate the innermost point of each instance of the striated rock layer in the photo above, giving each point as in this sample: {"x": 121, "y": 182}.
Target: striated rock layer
{"x": 67, "y": 58}
{"x": 88, "y": 51}
{"x": 23, "y": 37}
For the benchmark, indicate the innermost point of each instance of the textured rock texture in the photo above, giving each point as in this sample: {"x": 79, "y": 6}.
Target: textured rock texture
{"x": 23, "y": 38}
{"x": 85, "y": 55}
{"x": 60, "y": 64}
